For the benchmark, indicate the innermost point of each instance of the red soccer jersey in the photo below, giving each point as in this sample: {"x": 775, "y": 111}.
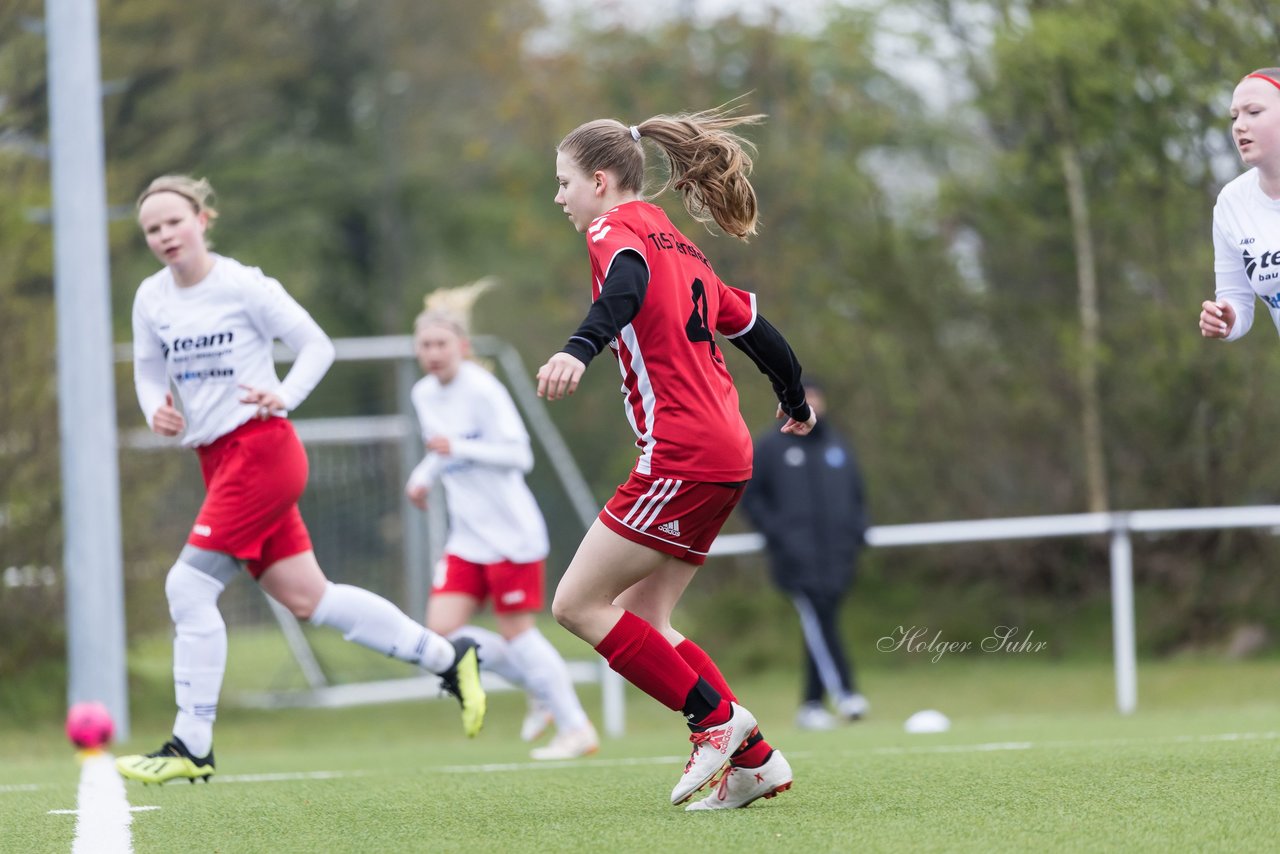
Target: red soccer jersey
{"x": 680, "y": 398}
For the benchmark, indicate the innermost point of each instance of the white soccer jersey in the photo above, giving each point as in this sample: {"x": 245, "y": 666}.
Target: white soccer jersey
{"x": 210, "y": 338}
{"x": 1246, "y": 250}
{"x": 492, "y": 514}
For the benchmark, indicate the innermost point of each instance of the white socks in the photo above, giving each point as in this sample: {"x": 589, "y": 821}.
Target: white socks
{"x": 530, "y": 662}
{"x": 369, "y": 620}
{"x": 547, "y": 678}
{"x": 199, "y": 653}
{"x": 495, "y": 654}
{"x": 200, "y": 642}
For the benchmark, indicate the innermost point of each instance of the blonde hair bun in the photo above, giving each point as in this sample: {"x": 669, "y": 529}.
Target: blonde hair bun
{"x": 452, "y": 306}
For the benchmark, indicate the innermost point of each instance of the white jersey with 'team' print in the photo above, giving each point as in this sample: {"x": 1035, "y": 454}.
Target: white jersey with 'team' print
{"x": 492, "y": 514}
{"x": 1246, "y": 250}
{"x": 210, "y": 338}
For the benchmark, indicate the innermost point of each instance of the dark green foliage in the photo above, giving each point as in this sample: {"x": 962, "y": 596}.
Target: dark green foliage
{"x": 917, "y": 253}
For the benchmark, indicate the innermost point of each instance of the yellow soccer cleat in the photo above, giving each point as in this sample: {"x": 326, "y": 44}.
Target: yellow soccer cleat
{"x": 462, "y": 680}
{"x": 171, "y": 762}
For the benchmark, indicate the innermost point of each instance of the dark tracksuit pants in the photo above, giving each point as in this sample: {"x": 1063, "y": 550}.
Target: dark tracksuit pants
{"x": 827, "y": 666}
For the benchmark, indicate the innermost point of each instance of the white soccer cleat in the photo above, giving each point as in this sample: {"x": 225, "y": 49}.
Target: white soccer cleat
{"x": 812, "y": 716}
{"x": 739, "y": 787}
{"x": 536, "y": 720}
{"x": 853, "y": 707}
{"x": 712, "y": 748}
{"x": 573, "y": 744}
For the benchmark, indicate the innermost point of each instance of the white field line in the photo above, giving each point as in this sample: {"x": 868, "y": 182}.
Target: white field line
{"x": 1166, "y": 739}
{"x": 987, "y": 747}
{"x": 77, "y": 812}
{"x": 286, "y": 776}
{"x": 561, "y": 763}
{"x": 600, "y": 762}
{"x": 672, "y": 760}
{"x": 102, "y": 817}
{"x": 103, "y": 813}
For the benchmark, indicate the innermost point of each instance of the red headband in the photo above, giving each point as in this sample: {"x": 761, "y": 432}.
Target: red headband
{"x": 1270, "y": 80}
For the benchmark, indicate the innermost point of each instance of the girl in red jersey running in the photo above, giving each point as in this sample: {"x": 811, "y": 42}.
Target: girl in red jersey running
{"x": 657, "y": 304}
{"x": 206, "y": 324}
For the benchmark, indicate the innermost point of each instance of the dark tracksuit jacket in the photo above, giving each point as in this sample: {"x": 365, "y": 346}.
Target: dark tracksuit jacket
{"x": 806, "y": 497}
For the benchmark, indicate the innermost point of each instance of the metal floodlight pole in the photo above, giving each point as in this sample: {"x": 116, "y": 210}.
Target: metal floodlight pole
{"x": 92, "y": 562}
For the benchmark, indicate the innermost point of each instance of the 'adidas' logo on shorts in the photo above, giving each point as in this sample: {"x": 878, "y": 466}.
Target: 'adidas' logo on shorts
{"x": 672, "y": 527}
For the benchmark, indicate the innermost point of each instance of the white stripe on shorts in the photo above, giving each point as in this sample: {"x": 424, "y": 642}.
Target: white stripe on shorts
{"x": 653, "y": 487}
{"x": 646, "y": 510}
{"x": 671, "y": 493}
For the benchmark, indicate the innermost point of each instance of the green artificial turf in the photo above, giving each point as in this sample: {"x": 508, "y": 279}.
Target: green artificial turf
{"x": 1036, "y": 760}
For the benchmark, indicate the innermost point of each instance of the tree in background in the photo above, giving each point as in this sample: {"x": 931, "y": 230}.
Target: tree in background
{"x": 31, "y": 597}
{"x": 1106, "y": 136}
{"x": 931, "y": 257}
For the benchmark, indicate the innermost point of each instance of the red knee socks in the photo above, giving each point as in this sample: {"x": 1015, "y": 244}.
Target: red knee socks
{"x": 755, "y": 751}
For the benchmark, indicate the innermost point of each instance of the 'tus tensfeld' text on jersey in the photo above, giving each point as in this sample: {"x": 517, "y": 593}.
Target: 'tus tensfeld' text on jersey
{"x": 680, "y": 399}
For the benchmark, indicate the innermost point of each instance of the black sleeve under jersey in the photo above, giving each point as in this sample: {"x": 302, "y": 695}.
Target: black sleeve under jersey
{"x": 619, "y": 302}
{"x": 776, "y": 360}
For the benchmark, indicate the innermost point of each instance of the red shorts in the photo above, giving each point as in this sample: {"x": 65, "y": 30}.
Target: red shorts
{"x": 677, "y": 517}
{"x": 515, "y": 587}
{"x": 254, "y": 476}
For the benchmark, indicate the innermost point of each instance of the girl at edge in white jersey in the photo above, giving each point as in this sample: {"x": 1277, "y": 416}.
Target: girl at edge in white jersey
{"x": 478, "y": 448}
{"x": 1246, "y": 219}
{"x": 206, "y": 324}
{"x": 658, "y": 305}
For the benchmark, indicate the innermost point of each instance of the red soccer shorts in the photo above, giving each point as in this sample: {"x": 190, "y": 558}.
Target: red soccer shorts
{"x": 253, "y": 478}
{"x": 677, "y": 517}
{"x": 515, "y": 587}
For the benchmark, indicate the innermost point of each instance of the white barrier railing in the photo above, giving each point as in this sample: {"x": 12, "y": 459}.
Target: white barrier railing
{"x": 1118, "y": 526}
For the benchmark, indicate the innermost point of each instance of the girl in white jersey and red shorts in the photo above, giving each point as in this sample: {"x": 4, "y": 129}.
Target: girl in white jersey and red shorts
{"x": 478, "y": 448}
{"x": 658, "y": 305}
{"x": 205, "y": 325}
{"x": 1246, "y": 219}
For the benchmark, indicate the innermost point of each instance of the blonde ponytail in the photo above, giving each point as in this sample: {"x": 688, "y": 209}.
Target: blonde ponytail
{"x": 452, "y": 306}
{"x": 710, "y": 165}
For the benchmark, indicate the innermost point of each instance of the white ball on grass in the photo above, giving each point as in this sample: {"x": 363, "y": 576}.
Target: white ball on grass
{"x": 928, "y": 720}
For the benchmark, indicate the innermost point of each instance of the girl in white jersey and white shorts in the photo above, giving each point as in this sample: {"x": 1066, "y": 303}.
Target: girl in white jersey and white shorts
{"x": 205, "y": 326}
{"x": 478, "y": 448}
{"x": 1246, "y": 219}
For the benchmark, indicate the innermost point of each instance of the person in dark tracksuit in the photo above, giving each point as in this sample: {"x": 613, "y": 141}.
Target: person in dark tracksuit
{"x": 807, "y": 498}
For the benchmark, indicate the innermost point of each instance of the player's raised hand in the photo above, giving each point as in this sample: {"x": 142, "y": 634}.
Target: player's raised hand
{"x": 167, "y": 420}
{"x": 1217, "y": 319}
{"x": 794, "y": 427}
{"x": 560, "y": 376}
